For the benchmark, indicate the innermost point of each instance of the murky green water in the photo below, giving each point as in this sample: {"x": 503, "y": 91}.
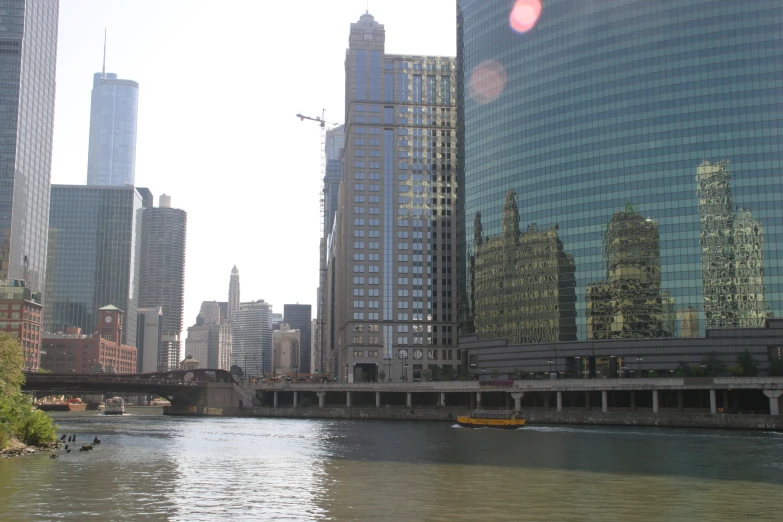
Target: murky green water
{"x": 150, "y": 467}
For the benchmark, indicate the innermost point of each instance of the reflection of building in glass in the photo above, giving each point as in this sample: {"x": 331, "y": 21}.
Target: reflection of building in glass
{"x": 629, "y": 303}
{"x": 524, "y": 285}
{"x": 689, "y": 321}
{"x": 731, "y": 252}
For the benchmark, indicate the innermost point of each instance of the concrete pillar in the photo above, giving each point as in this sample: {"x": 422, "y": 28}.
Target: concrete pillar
{"x": 377, "y": 399}
{"x": 713, "y": 402}
{"x": 774, "y": 403}
{"x": 478, "y": 400}
{"x": 295, "y": 398}
{"x": 587, "y": 400}
{"x": 559, "y": 401}
{"x": 679, "y": 400}
{"x": 442, "y": 399}
{"x": 726, "y": 401}
{"x": 409, "y": 400}
{"x": 604, "y": 402}
{"x": 655, "y": 401}
{"x": 275, "y": 400}
{"x": 633, "y": 401}
{"x": 517, "y": 400}
{"x": 321, "y": 399}
{"x": 347, "y": 399}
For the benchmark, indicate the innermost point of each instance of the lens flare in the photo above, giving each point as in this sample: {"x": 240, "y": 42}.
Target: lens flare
{"x": 487, "y": 81}
{"x": 524, "y": 15}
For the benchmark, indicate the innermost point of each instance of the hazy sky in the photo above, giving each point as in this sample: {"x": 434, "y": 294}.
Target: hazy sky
{"x": 220, "y": 84}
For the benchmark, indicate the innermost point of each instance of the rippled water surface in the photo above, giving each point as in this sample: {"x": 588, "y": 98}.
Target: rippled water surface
{"x": 150, "y": 467}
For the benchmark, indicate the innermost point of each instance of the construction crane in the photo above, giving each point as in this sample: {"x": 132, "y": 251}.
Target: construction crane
{"x": 319, "y": 343}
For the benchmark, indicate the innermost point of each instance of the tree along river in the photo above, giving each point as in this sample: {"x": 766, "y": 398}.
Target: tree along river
{"x": 150, "y": 467}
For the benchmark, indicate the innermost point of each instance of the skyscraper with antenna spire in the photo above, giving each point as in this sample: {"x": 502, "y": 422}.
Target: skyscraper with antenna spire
{"x": 113, "y": 113}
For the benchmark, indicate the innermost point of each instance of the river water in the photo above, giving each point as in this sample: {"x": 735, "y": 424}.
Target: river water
{"x": 150, "y": 467}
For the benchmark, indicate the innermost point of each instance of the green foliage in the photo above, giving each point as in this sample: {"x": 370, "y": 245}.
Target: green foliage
{"x": 749, "y": 366}
{"x": 712, "y": 364}
{"x": 518, "y": 375}
{"x": 495, "y": 373}
{"x": 382, "y": 375}
{"x": 426, "y": 375}
{"x": 447, "y": 373}
{"x": 734, "y": 371}
{"x": 17, "y": 416}
{"x": 11, "y": 363}
{"x": 44, "y": 370}
{"x": 652, "y": 374}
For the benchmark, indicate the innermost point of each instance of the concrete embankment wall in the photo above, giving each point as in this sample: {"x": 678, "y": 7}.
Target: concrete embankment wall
{"x": 533, "y": 417}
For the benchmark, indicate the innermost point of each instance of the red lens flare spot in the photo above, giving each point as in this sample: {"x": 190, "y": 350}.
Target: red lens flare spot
{"x": 487, "y": 81}
{"x": 524, "y": 15}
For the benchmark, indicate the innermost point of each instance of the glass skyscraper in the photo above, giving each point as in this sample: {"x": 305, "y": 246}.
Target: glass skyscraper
{"x": 94, "y": 253}
{"x": 620, "y": 169}
{"x": 28, "y": 54}
{"x": 113, "y": 111}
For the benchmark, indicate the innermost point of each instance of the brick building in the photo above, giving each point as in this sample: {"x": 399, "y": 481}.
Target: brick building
{"x": 101, "y": 352}
{"x": 20, "y": 315}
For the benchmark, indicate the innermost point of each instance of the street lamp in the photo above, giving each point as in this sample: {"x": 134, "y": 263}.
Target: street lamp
{"x": 639, "y": 360}
{"x": 346, "y": 372}
{"x": 550, "y": 361}
{"x": 405, "y": 369}
{"x": 578, "y": 360}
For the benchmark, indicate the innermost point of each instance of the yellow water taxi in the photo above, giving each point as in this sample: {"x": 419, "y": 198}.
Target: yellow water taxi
{"x": 492, "y": 419}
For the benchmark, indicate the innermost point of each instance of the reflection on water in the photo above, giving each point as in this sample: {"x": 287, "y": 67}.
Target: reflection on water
{"x": 156, "y": 468}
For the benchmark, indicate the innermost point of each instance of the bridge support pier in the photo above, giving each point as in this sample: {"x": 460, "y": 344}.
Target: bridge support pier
{"x": 655, "y": 401}
{"x": 377, "y": 399}
{"x": 295, "y": 398}
{"x": 347, "y": 399}
{"x": 604, "y": 401}
{"x": 409, "y": 400}
{"x": 774, "y": 402}
{"x": 633, "y": 401}
{"x": 679, "y": 400}
{"x": 275, "y": 399}
{"x": 321, "y": 399}
{"x": 442, "y": 399}
{"x": 517, "y": 400}
{"x": 713, "y": 402}
{"x": 559, "y": 401}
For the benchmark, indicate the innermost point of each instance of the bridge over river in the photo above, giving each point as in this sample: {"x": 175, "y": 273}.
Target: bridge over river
{"x": 190, "y": 390}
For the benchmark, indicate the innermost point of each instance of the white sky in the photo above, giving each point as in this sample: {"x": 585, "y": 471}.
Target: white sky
{"x": 220, "y": 84}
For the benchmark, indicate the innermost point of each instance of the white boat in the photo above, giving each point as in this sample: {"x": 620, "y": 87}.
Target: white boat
{"x": 114, "y": 406}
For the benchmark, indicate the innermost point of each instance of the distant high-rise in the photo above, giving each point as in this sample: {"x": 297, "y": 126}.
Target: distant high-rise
{"x": 149, "y": 356}
{"x": 28, "y": 54}
{"x": 335, "y": 144}
{"x": 298, "y": 317}
{"x": 251, "y": 330}
{"x": 233, "y": 292}
{"x": 113, "y": 114}
{"x": 95, "y": 245}
{"x": 285, "y": 351}
{"x": 162, "y": 269}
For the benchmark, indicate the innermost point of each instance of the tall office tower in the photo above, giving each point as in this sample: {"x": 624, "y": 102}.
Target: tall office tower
{"x": 314, "y": 362}
{"x": 95, "y": 262}
{"x": 162, "y": 269}
{"x": 233, "y": 292}
{"x": 393, "y": 250}
{"x": 298, "y": 317}
{"x": 286, "y": 347}
{"x": 28, "y": 54}
{"x": 113, "y": 113}
{"x": 333, "y": 152}
{"x": 251, "y": 331}
{"x": 580, "y": 130}
{"x": 149, "y": 328}
{"x": 277, "y": 321}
